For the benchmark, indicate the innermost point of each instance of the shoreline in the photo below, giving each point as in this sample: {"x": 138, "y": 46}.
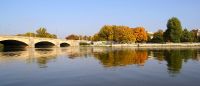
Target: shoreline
{"x": 150, "y": 45}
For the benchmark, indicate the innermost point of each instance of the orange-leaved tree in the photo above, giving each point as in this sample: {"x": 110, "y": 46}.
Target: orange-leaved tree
{"x": 140, "y": 34}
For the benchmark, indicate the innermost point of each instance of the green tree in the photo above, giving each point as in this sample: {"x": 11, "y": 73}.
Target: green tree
{"x": 158, "y": 37}
{"x": 186, "y": 36}
{"x": 54, "y": 36}
{"x": 30, "y": 34}
{"x": 174, "y": 30}
{"x": 42, "y": 32}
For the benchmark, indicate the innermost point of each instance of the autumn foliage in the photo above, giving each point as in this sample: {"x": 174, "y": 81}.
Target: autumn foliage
{"x": 140, "y": 34}
{"x": 121, "y": 34}
{"x": 118, "y": 34}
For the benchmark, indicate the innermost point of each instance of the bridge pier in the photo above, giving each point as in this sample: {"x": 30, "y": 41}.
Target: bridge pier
{"x": 31, "y": 42}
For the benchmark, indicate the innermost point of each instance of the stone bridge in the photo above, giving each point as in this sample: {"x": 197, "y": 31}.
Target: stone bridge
{"x": 36, "y": 42}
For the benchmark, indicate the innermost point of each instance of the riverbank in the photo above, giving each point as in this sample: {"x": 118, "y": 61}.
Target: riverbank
{"x": 170, "y": 45}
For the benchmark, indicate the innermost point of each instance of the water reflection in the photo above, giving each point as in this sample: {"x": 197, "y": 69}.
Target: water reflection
{"x": 108, "y": 57}
{"x": 125, "y": 57}
{"x": 176, "y": 57}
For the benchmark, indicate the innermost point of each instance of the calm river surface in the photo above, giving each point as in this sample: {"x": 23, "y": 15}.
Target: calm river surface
{"x": 100, "y": 66}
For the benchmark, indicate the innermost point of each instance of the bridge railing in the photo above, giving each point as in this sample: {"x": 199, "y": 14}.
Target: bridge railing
{"x": 13, "y": 36}
{"x": 39, "y": 38}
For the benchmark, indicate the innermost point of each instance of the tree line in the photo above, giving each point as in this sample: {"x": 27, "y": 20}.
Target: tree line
{"x": 121, "y": 34}
{"x": 41, "y": 32}
{"x": 175, "y": 33}
{"x": 78, "y": 37}
{"x": 124, "y": 34}
{"x": 116, "y": 34}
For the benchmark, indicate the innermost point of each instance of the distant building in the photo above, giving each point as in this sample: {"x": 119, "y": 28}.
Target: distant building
{"x": 150, "y": 34}
{"x": 197, "y": 32}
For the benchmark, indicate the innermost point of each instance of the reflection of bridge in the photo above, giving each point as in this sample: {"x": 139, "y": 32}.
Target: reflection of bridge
{"x": 20, "y": 41}
{"x": 30, "y": 53}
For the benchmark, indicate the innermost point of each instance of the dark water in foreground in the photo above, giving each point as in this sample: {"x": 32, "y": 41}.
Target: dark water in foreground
{"x": 87, "y": 66}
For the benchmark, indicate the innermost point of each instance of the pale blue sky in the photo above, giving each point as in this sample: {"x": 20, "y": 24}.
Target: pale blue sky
{"x": 86, "y": 17}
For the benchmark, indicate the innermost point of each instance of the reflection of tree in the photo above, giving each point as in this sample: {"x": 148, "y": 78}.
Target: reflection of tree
{"x": 158, "y": 54}
{"x": 189, "y": 54}
{"x": 175, "y": 59}
{"x": 122, "y": 57}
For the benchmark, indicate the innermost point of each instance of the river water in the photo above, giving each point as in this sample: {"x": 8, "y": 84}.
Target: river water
{"x": 100, "y": 66}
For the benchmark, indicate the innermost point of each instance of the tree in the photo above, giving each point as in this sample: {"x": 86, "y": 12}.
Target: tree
{"x": 106, "y": 33}
{"x": 158, "y": 37}
{"x": 48, "y": 35}
{"x": 95, "y": 37}
{"x": 28, "y": 34}
{"x": 174, "y": 30}
{"x": 113, "y": 33}
{"x": 85, "y": 37}
{"x": 123, "y": 34}
{"x": 72, "y": 37}
{"x": 41, "y": 32}
{"x": 140, "y": 34}
{"x": 54, "y": 36}
{"x": 78, "y": 37}
{"x": 186, "y": 36}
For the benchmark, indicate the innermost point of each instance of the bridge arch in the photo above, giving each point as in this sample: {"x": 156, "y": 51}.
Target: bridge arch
{"x": 44, "y": 44}
{"x": 11, "y": 43}
{"x": 64, "y": 44}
